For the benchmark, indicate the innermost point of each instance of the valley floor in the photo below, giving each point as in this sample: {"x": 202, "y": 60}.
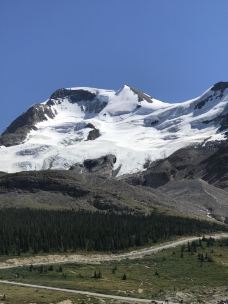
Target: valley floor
{"x": 18, "y": 295}
{"x": 98, "y": 258}
{"x": 181, "y": 274}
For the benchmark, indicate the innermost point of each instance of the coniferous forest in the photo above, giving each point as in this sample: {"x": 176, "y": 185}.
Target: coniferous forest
{"x": 34, "y": 231}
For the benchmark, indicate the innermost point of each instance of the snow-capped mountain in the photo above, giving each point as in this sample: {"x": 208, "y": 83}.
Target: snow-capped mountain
{"x": 81, "y": 123}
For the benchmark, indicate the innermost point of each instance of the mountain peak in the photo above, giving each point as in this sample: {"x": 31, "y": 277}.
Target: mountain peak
{"x": 141, "y": 95}
{"x": 220, "y": 86}
{"x": 85, "y": 123}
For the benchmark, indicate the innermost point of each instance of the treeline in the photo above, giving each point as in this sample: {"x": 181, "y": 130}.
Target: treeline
{"x": 28, "y": 230}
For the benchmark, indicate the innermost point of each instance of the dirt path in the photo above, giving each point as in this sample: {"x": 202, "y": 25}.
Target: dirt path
{"x": 98, "y": 258}
{"x": 87, "y": 293}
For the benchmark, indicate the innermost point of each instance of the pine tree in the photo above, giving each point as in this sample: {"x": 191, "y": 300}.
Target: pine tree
{"x": 60, "y": 269}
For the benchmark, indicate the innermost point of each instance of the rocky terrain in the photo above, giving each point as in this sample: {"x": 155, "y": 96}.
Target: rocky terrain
{"x": 93, "y": 149}
{"x": 79, "y": 191}
{"x": 205, "y": 161}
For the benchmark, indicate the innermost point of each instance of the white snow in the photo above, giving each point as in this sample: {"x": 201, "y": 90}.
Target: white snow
{"x": 131, "y": 129}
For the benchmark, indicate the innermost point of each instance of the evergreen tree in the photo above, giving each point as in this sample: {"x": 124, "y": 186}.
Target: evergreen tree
{"x": 28, "y": 230}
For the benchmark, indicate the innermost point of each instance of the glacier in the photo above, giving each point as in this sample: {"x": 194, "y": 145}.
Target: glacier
{"x": 130, "y": 124}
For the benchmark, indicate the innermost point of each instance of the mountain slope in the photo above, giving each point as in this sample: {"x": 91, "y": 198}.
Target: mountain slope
{"x": 86, "y": 123}
{"x": 197, "y": 196}
{"x": 68, "y": 189}
{"x": 208, "y": 162}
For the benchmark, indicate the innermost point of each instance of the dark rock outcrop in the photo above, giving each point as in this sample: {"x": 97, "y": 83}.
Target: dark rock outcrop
{"x": 217, "y": 88}
{"x": 101, "y": 166}
{"x": 93, "y": 134}
{"x": 208, "y": 162}
{"x": 73, "y": 95}
{"x": 220, "y": 86}
{"x": 18, "y": 130}
{"x": 88, "y": 101}
{"x": 141, "y": 96}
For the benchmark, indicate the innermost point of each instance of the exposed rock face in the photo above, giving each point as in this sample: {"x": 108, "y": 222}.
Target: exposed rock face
{"x": 141, "y": 96}
{"x": 216, "y": 167}
{"x": 16, "y": 132}
{"x": 93, "y": 134}
{"x": 101, "y": 166}
{"x": 208, "y": 162}
{"x": 220, "y": 86}
{"x": 73, "y": 95}
{"x": 88, "y": 100}
{"x": 217, "y": 88}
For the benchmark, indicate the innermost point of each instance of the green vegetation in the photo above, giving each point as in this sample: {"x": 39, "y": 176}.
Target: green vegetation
{"x": 18, "y": 295}
{"x": 32, "y": 231}
{"x": 195, "y": 270}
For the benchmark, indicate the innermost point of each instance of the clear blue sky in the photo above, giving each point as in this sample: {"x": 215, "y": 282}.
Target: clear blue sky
{"x": 172, "y": 49}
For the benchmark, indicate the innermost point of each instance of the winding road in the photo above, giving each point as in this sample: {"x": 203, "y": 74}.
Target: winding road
{"x": 98, "y": 258}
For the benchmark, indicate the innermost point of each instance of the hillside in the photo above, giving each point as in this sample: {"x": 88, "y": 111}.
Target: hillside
{"x": 124, "y": 151}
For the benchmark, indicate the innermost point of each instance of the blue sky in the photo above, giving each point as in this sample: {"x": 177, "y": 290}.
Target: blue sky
{"x": 171, "y": 49}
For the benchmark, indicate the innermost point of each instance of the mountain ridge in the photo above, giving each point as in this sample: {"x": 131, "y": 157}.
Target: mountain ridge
{"x": 75, "y": 124}
{"x": 122, "y": 151}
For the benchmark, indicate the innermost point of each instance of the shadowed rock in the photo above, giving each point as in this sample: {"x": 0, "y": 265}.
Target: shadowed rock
{"x": 18, "y": 130}
{"x": 101, "y": 166}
